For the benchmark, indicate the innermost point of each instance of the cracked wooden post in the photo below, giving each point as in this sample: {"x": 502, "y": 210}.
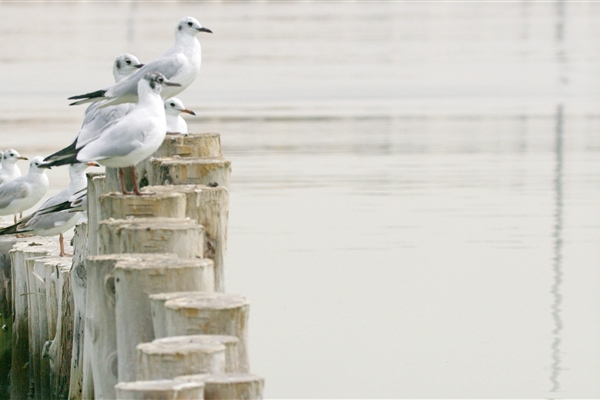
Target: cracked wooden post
{"x": 101, "y": 351}
{"x": 164, "y": 205}
{"x": 228, "y": 386}
{"x": 210, "y": 314}
{"x": 96, "y": 188}
{"x": 189, "y": 171}
{"x": 209, "y": 206}
{"x": 165, "y": 389}
{"x": 78, "y": 280}
{"x": 183, "y": 237}
{"x": 135, "y": 280}
{"x": 20, "y": 366}
{"x": 231, "y": 344}
{"x": 6, "y": 315}
{"x": 163, "y": 359}
{"x": 59, "y": 349}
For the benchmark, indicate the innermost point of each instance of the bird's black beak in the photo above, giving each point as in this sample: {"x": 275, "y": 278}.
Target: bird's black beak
{"x": 167, "y": 83}
{"x": 139, "y": 65}
{"x": 203, "y": 29}
{"x": 186, "y": 110}
{"x": 22, "y": 158}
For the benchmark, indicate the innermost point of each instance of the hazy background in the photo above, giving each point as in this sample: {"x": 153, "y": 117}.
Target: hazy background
{"x": 415, "y": 186}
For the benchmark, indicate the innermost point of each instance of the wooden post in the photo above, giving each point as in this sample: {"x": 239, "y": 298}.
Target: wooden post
{"x": 59, "y": 349}
{"x": 209, "y": 206}
{"x": 20, "y": 369}
{"x": 160, "y": 390}
{"x": 6, "y": 315}
{"x": 96, "y": 188}
{"x": 231, "y": 343}
{"x": 134, "y": 281}
{"x": 168, "y": 359}
{"x": 210, "y": 314}
{"x": 164, "y": 204}
{"x": 183, "y": 237}
{"x": 100, "y": 352}
{"x": 193, "y": 145}
{"x": 185, "y": 171}
{"x": 78, "y": 280}
{"x": 229, "y": 386}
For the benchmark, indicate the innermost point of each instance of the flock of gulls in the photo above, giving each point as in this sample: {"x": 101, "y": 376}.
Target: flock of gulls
{"x": 125, "y": 124}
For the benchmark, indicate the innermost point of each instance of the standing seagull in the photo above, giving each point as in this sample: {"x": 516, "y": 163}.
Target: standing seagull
{"x": 22, "y": 193}
{"x": 181, "y": 64}
{"x": 173, "y": 109}
{"x": 49, "y": 222}
{"x": 9, "y": 169}
{"x": 133, "y": 138}
{"x": 97, "y": 117}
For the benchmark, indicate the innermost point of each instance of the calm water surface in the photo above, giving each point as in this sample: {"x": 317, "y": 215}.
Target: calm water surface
{"x": 415, "y": 186}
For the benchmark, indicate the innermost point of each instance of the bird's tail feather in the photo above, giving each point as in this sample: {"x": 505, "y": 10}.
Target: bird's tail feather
{"x": 88, "y": 97}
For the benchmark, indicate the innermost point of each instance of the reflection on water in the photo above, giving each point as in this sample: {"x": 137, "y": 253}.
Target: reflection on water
{"x": 557, "y": 259}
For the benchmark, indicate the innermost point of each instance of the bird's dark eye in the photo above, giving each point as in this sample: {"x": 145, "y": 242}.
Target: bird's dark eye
{"x": 128, "y": 62}
{"x": 160, "y": 80}
{"x": 190, "y": 23}
{"x": 172, "y": 104}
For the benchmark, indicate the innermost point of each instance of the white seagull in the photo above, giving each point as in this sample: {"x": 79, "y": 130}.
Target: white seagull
{"x": 181, "y": 64}
{"x": 48, "y": 221}
{"x": 173, "y": 109}
{"x": 97, "y": 117}
{"x": 23, "y": 192}
{"x": 9, "y": 169}
{"x": 133, "y": 138}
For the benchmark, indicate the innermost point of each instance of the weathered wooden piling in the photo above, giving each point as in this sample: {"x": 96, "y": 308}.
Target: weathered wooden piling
{"x": 160, "y": 390}
{"x": 78, "y": 280}
{"x": 6, "y": 244}
{"x": 21, "y": 367}
{"x": 181, "y": 236}
{"x": 168, "y": 359}
{"x": 209, "y": 314}
{"x": 228, "y": 386}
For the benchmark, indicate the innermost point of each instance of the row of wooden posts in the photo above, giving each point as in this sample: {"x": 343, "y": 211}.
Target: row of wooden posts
{"x": 140, "y": 311}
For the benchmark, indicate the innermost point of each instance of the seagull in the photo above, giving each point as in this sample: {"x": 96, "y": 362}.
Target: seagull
{"x": 133, "y": 138}
{"x": 23, "y": 192}
{"x": 97, "y": 117}
{"x": 50, "y": 221}
{"x": 9, "y": 169}
{"x": 175, "y": 123}
{"x": 181, "y": 64}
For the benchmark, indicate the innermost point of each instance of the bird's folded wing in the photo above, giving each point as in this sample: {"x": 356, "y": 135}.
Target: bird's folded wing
{"x": 12, "y": 191}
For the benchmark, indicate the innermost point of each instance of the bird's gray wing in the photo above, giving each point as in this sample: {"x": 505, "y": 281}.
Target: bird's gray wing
{"x": 97, "y": 118}
{"x": 120, "y": 139}
{"x": 46, "y": 221}
{"x": 11, "y": 191}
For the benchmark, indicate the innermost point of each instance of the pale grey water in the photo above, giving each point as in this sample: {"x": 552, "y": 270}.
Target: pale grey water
{"x": 415, "y": 187}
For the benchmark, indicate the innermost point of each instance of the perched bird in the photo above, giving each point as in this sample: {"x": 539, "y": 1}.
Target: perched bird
{"x": 23, "y": 192}
{"x": 49, "y": 220}
{"x": 173, "y": 109}
{"x": 10, "y": 170}
{"x": 181, "y": 64}
{"x": 133, "y": 138}
{"x": 95, "y": 116}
